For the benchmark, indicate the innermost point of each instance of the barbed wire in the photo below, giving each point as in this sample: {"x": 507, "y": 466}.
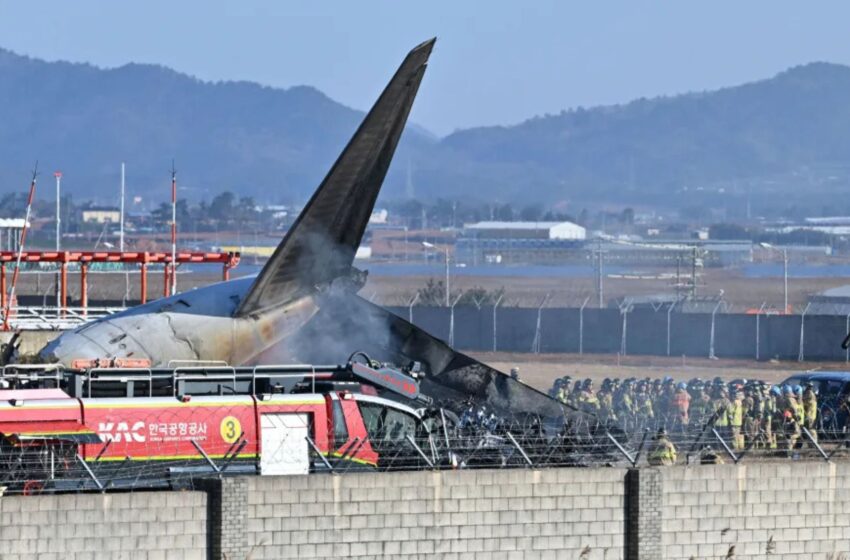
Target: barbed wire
{"x": 176, "y": 452}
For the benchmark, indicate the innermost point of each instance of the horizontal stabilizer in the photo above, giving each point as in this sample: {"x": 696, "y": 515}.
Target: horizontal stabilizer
{"x": 320, "y": 246}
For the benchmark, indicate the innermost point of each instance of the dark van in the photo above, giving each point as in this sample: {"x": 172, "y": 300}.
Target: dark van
{"x": 833, "y": 389}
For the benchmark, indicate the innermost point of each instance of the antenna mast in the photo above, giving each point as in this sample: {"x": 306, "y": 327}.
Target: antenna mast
{"x": 20, "y": 250}
{"x": 121, "y": 227}
{"x": 173, "y": 229}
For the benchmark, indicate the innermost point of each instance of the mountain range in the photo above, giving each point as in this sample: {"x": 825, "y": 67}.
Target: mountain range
{"x": 763, "y": 138}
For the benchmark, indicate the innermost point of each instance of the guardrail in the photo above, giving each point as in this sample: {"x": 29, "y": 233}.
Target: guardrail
{"x": 56, "y": 319}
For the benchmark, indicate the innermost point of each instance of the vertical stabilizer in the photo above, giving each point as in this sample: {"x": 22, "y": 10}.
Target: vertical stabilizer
{"x": 321, "y": 244}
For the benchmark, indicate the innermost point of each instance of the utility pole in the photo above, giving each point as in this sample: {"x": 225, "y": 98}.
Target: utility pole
{"x": 121, "y": 227}
{"x": 173, "y": 229}
{"x": 785, "y": 278}
{"x": 58, "y": 175}
{"x": 448, "y": 278}
{"x": 678, "y": 275}
{"x": 598, "y": 272}
{"x": 694, "y": 273}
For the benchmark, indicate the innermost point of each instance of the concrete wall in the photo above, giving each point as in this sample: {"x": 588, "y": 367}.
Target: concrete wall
{"x": 143, "y": 526}
{"x": 469, "y": 514}
{"x": 779, "y": 510}
{"x": 798, "y": 511}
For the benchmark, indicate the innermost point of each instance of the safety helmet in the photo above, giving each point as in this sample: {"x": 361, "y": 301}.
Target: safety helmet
{"x": 682, "y": 385}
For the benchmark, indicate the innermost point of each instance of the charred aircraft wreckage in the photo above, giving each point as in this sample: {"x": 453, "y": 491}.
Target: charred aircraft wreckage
{"x": 303, "y": 306}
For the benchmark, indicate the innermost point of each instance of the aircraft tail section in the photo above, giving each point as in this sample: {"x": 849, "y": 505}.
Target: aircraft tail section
{"x": 320, "y": 246}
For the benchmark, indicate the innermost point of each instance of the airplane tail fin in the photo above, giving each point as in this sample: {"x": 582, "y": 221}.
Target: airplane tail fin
{"x": 321, "y": 244}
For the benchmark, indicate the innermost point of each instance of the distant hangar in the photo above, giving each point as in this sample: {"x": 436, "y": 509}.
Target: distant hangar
{"x": 519, "y": 242}
{"x": 525, "y": 230}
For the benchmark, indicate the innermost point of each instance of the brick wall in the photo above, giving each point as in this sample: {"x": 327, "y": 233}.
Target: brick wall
{"x": 469, "y": 514}
{"x": 143, "y": 526}
{"x": 798, "y": 511}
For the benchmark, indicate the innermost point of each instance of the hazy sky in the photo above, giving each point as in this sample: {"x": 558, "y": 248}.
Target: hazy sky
{"x": 496, "y": 62}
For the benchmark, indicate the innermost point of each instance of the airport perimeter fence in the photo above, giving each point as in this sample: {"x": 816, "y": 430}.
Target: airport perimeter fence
{"x": 156, "y": 456}
{"x": 661, "y": 331}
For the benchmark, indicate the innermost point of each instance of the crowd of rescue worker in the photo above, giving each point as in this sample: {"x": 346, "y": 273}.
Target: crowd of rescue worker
{"x": 746, "y": 414}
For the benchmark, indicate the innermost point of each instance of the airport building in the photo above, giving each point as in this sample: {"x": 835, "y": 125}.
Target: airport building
{"x": 556, "y": 243}
{"x": 834, "y": 301}
{"x": 520, "y": 242}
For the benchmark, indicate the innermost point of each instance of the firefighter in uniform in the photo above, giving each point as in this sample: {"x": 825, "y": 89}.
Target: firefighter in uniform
{"x": 700, "y": 409}
{"x": 735, "y": 414}
{"x": 769, "y": 414}
{"x": 680, "y": 405}
{"x": 643, "y": 403}
{"x": 708, "y": 456}
{"x": 623, "y": 402}
{"x": 721, "y": 405}
{"x": 564, "y": 390}
{"x": 792, "y": 418}
{"x": 605, "y": 397}
{"x": 664, "y": 453}
{"x": 810, "y": 410}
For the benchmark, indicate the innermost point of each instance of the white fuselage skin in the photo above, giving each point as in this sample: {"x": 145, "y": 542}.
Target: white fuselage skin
{"x": 197, "y": 325}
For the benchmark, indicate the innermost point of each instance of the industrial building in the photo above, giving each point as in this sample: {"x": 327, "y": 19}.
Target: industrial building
{"x": 520, "y": 242}
{"x": 834, "y": 301}
{"x": 525, "y": 230}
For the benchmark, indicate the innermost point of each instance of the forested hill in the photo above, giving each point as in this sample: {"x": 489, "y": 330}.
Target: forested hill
{"x": 763, "y": 133}
{"x": 277, "y": 144}
{"x": 240, "y": 136}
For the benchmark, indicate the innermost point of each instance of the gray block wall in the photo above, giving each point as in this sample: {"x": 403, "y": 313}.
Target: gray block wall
{"x": 777, "y": 510}
{"x": 782, "y": 511}
{"x": 508, "y": 514}
{"x": 139, "y": 526}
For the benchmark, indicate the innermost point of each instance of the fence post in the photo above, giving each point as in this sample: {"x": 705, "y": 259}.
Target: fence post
{"x": 711, "y": 354}
{"x": 581, "y": 326}
{"x": 801, "y": 355}
{"x": 625, "y": 312}
{"x": 758, "y": 334}
{"x": 669, "y": 311}
{"x": 452, "y": 321}
{"x": 495, "y": 307}
{"x": 410, "y": 305}
{"x": 535, "y": 345}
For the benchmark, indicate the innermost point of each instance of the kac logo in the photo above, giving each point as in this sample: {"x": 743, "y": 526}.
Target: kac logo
{"x": 122, "y": 431}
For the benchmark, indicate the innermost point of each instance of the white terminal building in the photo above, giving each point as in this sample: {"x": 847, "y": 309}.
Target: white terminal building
{"x": 526, "y": 230}
{"x": 519, "y": 242}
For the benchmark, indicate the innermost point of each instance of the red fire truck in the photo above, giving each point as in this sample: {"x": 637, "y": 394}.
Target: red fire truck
{"x": 114, "y": 427}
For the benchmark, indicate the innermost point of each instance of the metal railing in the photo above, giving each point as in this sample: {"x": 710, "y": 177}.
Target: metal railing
{"x": 55, "y": 318}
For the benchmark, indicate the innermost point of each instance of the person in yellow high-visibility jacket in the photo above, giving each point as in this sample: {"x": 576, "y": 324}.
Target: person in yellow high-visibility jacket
{"x": 810, "y": 410}
{"x": 735, "y": 413}
{"x": 792, "y": 415}
{"x": 663, "y": 453}
{"x": 721, "y": 404}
